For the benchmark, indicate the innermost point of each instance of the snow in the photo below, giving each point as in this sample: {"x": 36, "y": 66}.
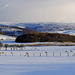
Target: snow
{"x": 5, "y": 37}
{"x": 17, "y": 64}
{"x": 6, "y": 23}
{"x": 70, "y": 32}
{"x": 21, "y": 26}
{"x": 50, "y": 27}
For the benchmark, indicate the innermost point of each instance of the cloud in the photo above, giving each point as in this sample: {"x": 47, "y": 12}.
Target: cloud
{"x": 6, "y": 6}
{"x": 37, "y": 10}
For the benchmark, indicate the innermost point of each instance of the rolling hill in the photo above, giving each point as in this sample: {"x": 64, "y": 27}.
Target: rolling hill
{"x": 22, "y": 28}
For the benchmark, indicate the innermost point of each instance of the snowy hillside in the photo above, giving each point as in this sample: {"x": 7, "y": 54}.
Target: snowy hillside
{"x": 70, "y": 32}
{"x": 4, "y": 37}
{"x": 14, "y": 30}
{"x": 47, "y": 27}
{"x": 66, "y": 28}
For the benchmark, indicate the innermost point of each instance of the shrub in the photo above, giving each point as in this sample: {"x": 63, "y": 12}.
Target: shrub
{"x": 45, "y": 37}
{"x": 1, "y": 44}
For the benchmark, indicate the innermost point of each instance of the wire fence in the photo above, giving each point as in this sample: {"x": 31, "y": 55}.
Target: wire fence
{"x": 37, "y": 53}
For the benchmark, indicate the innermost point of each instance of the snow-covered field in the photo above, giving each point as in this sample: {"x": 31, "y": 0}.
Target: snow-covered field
{"x": 70, "y": 32}
{"x": 42, "y": 60}
{"x": 5, "y": 37}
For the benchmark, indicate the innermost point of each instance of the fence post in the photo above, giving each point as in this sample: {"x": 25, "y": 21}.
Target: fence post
{"x": 60, "y": 53}
{"x": 46, "y": 53}
{"x": 53, "y": 53}
{"x": 40, "y": 54}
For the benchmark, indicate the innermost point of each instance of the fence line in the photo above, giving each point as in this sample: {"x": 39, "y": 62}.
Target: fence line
{"x": 35, "y": 54}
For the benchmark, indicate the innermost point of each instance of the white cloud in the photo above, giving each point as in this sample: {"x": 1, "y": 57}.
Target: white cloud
{"x": 37, "y": 10}
{"x": 6, "y": 6}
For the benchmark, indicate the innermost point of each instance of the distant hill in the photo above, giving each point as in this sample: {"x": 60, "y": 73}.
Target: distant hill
{"x": 45, "y": 37}
{"x": 14, "y": 30}
{"x": 29, "y": 31}
{"x": 47, "y": 27}
{"x": 50, "y": 27}
{"x": 70, "y": 32}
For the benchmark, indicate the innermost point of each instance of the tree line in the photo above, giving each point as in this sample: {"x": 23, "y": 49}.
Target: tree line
{"x": 45, "y": 37}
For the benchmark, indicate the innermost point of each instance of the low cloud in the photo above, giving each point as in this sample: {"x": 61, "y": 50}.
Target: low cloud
{"x": 6, "y": 6}
{"x": 37, "y": 10}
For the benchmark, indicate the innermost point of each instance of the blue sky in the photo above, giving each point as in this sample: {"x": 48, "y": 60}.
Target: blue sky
{"x": 37, "y": 11}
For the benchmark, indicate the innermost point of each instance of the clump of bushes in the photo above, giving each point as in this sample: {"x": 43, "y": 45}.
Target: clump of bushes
{"x": 6, "y": 45}
{"x": 1, "y": 44}
{"x": 45, "y": 37}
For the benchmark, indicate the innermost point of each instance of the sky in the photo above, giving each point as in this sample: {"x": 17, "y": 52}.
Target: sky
{"x": 37, "y": 10}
